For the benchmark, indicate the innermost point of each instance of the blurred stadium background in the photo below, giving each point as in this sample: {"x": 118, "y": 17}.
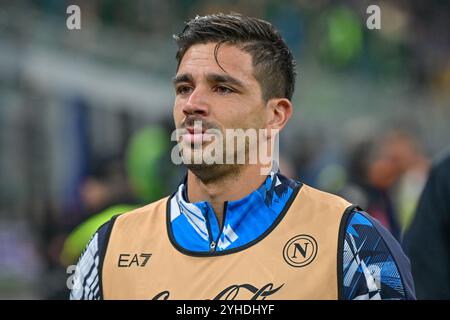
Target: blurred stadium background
{"x": 85, "y": 114}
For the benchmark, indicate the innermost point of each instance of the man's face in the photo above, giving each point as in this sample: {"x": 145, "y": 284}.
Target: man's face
{"x": 221, "y": 99}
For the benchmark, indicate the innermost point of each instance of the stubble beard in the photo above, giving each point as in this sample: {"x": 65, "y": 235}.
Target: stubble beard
{"x": 211, "y": 172}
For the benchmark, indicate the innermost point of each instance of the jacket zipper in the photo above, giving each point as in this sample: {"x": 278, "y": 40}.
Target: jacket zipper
{"x": 225, "y": 204}
{"x": 212, "y": 244}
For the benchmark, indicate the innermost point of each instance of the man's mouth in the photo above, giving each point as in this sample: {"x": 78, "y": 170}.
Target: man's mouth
{"x": 196, "y": 130}
{"x": 196, "y": 135}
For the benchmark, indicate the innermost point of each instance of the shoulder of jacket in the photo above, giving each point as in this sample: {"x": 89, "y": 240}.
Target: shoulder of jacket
{"x": 143, "y": 211}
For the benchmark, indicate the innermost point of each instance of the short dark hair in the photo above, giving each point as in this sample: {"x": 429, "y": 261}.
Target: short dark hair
{"x": 272, "y": 60}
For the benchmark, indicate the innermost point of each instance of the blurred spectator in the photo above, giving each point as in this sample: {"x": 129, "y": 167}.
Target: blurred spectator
{"x": 427, "y": 241}
{"x": 105, "y": 186}
{"x": 371, "y": 176}
{"x": 412, "y": 165}
{"x": 386, "y": 176}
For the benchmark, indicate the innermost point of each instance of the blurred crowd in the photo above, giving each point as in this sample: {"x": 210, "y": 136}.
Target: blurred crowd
{"x": 85, "y": 115}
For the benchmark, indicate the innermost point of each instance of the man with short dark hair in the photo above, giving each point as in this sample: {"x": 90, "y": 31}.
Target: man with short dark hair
{"x": 239, "y": 229}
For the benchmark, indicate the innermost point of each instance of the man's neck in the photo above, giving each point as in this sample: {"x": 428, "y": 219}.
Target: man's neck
{"x": 231, "y": 187}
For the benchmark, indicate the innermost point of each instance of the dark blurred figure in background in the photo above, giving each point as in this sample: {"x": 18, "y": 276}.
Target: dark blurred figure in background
{"x": 405, "y": 151}
{"x": 427, "y": 241}
{"x": 386, "y": 174}
{"x": 105, "y": 186}
{"x": 371, "y": 176}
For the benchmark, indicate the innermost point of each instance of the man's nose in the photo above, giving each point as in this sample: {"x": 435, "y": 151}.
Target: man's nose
{"x": 197, "y": 104}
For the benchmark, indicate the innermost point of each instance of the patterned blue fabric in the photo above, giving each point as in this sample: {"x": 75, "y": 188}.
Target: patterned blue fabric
{"x": 370, "y": 271}
{"x": 195, "y": 226}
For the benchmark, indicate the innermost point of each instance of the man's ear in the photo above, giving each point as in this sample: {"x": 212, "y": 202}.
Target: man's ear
{"x": 279, "y": 112}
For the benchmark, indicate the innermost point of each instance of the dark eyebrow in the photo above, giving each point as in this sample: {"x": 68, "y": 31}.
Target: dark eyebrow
{"x": 185, "y": 77}
{"x": 212, "y": 77}
{"x": 223, "y": 78}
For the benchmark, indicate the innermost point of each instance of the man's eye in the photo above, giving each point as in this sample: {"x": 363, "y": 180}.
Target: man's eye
{"x": 223, "y": 90}
{"x": 184, "y": 90}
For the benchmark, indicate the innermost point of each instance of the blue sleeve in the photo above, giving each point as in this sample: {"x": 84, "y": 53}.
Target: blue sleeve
{"x": 87, "y": 278}
{"x": 374, "y": 264}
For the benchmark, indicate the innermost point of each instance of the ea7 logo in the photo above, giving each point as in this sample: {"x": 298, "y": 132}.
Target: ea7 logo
{"x": 129, "y": 260}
